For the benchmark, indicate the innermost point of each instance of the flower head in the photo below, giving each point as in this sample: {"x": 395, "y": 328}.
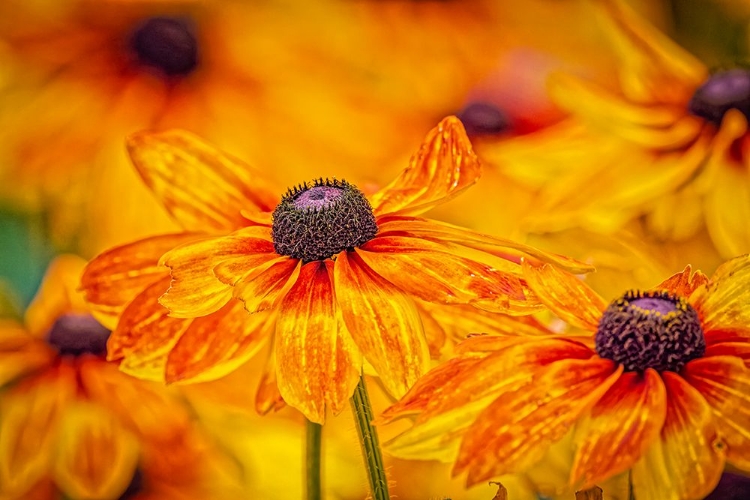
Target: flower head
{"x": 330, "y": 274}
{"x": 656, "y": 388}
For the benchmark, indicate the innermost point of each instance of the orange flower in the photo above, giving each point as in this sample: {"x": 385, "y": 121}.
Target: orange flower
{"x": 332, "y": 273}
{"x": 72, "y": 423}
{"x": 661, "y": 389}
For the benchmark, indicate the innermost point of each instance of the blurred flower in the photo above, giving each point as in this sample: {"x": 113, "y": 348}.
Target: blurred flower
{"x": 330, "y": 271}
{"x": 72, "y": 423}
{"x": 731, "y": 487}
{"x": 658, "y": 390}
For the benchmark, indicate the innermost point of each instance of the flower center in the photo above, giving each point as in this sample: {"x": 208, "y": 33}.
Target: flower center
{"x": 135, "y": 487}
{"x": 481, "y": 118}
{"x": 721, "y": 92}
{"x": 77, "y": 334}
{"x": 315, "y": 222}
{"x": 650, "y": 330}
{"x": 167, "y": 44}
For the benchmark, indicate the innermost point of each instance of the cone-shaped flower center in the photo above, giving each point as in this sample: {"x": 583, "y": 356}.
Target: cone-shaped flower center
{"x": 77, "y": 334}
{"x": 167, "y": 44}
{"x": 650, "y": 330}
{"x": 315, "y": 222}
{"x": 481, "y": 118}
{"x": 723, "y": 91}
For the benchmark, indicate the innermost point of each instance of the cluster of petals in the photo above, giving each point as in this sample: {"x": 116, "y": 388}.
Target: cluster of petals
{"x": 195, "y": 305}
{"x": 503, "y": 400}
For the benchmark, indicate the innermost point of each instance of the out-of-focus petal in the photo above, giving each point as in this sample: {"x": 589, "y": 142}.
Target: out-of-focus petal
{"x": 201, "y": 187}
{"x": 20, "y": 353}
{"x": 267, "y": 397}
{"x": 566, "y": 296}
{"x": 195, "y": 289}
{"x": 444, "y": 166}
{"x": 721, "y": 302}
{"x": 618, "y": 428}
{"x": 115, "y": 277}
{"x": 687, "y": 460}
{"x": 318, "y": 364}
{"x": 96, "y": 456}
{"x": 383, "y": 322}
{"x": 724, "y": 382}
{"x": 520, "y": 425}
{"x": 683, "y": 283}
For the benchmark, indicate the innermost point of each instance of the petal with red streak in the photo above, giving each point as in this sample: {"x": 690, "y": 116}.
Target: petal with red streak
{"x": 202, "y": 188}
{"x": 262, "y": 287}
{"x": 684, "y": 283}
{"x": 444, "y": 166}
{"x": 384, "y": 323}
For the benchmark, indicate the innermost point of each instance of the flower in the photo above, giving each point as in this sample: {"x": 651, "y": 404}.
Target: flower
{"x": 71, "y": 423}
{"x": 659, "y": 387}
{"x": 330, "y": 271}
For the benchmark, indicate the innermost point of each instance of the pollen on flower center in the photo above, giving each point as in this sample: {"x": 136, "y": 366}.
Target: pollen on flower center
{"x": 315, "y": 222}
{"x": 77, "y": 334}
{"x": 720, "y": 93}
{"x": 650, "y": 330}
{"x": 167, "y": 44}
{"x": 481, "y": 118}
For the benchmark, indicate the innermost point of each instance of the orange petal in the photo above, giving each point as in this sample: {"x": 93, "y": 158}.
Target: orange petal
{"x": 384, "y": 323}
{"x": 619, "y": 428}
{"x": 215, "y": 345}
{"x": 516, "y": 430}
{"x": 96, "y": 456}
{"x": 723, "y": 302}
{"x": 20, "y": 353}
{"x": 268, "y": 398}
{"x": 195, "y": 289}
{"x": 201, "y": 187}
{"x": 684, "y": 283}
{"x": 724, "y": 382}
{"x": 444, "y": 166}
{"x": 260, "y": 288}
{"x": 317, "y": 362}
{"x": 115, "y": 277}
{"x": 687, "y": 460}
{"x": 739, "y": 348}
{"x": 431, "y": 272}
{"x": 567, "y": 296}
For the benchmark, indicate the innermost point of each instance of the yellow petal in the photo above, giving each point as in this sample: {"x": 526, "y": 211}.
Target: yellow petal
{"x": 444, "y": 166}
{"x": 263, "y": 286}
{"x": 201, "y": 187}
{"x": 318, "y": 365}
{"x": 383, "y": 322}
{"x": 20, "y": 353}
{"x": 722, "y": 303}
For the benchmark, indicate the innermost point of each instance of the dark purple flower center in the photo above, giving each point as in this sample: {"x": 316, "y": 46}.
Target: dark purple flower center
{"x": 731, "y": 487}
{"x": 77, "y": 334}
{"x": 481, "y": 118}
{"x": 650, "y": 330}
{"x": 167, "y": 44}
{"x": 315, "y": 222}
{"x": 135, "y": 487}
{"x": 720, "y": 93}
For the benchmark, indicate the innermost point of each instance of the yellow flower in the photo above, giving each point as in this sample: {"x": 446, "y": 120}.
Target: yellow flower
{"x": 72, "y": 423}
{"x": 660, "y": 387}
{"x": 332, "y": 273}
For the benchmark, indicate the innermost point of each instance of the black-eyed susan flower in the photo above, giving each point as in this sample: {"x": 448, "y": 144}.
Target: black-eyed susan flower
{"x": 330, "y": 274}
{"x": 659, "y": 388}
{"x": 72, "y": 424}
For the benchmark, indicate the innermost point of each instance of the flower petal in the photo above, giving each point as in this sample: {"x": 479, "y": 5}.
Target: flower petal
{"x": 432, "y": 273}
{"x": 114, "y": 278}
{"x": 686, "y": 462}
{"x": 516, "y": 430}
{"x": 724, "y": 382}
{"x": 268, "y": 398}
{"x": 618, "y": 428}
{"x": 383, "y": 322}
{"x": 215, "y": 345}
{"x": 444, "y": 166}
{"x": 318, "y": 364}
{"x": 96, "y": 456}
{"x": 684, "y": 283}
{"x": 260, "y": 288}
{"x": 20, "y": 352}
{"x": 567, "y": 296}
{"x": 195, "y": 289}
{"x": 201, "y": 187}
{"x": 722, "y": 303}
{"x": 727, "y": 206}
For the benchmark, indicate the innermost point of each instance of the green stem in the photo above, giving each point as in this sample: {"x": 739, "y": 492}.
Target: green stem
{"x": 312, "y": 461}
{"x": 368, "y": 437}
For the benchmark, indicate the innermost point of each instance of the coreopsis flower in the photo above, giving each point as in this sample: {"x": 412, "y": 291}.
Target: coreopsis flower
{"x": 72, "y": 424}
{"x": 327, "y": 273}
{"x": 658, "y": 388}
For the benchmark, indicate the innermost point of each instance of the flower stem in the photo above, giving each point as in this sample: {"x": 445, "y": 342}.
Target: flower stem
{"x": 312, "y": 461}
{"x": 368, "y": 437}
